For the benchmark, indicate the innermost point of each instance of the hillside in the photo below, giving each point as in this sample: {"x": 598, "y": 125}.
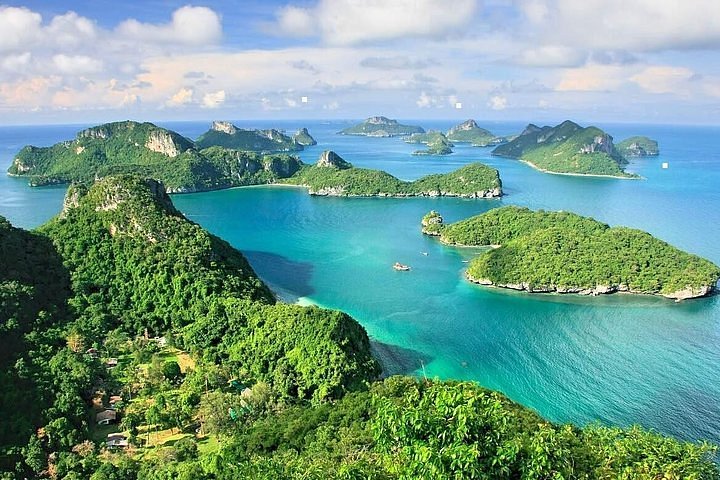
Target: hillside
{"x": 470, "y": 132}
{"x": 147, "y": 150}
{"x": 381, "y": 127}
{"x": 227, "y": 135}
{"x": 638, "y": 147}
{"x": 333, "y": 176}
{"x": 240, "y": 386}
{"x": 565, "y": 253}
{"x": 567, "y": 148}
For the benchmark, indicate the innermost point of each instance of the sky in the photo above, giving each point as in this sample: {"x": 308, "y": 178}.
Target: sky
{"x": 85, "y": 61}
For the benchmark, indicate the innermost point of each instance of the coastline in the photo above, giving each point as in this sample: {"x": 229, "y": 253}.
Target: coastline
{"x": 568, "y": 174}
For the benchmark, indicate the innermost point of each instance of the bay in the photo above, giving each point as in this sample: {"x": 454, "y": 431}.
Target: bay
{"x": 618, "y": 359}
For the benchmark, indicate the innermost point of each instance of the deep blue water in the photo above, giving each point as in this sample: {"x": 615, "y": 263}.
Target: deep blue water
{"x": 616, "y": 359}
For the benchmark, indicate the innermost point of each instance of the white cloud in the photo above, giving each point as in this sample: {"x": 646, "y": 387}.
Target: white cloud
{"x": 296, "y": 22}
{"x": 19, "y": 27}
{"x": 213, "y": 99}
{"x": 498, "y": 102}
{"x": 636, "y": 25}
{"x": 592, "y": 78}
{"x": 71, "y": 30}
{"x": 76, "y": 64}
{"x": 551, "y": 56}
{"x": 189, "y": 26}
{"x": 424, "y": 100}
{"x": 181, "y": 97}
{"x": 350, "y": 22}
{"x": 663, "y": 79}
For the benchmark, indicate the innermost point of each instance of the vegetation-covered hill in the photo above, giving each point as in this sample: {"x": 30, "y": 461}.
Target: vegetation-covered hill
{"x": 227, "y": 135}
{"x": 381, "y": 127}
{"x": 340, "y": 178}
{"x": 638, "y": 147}
{"x": 566, "y": 253}
{"x": 470, "y": 132}
{"x": 245, "y": 388}
{"x": 147, "y": 150}
{"x": 567, "y": 148}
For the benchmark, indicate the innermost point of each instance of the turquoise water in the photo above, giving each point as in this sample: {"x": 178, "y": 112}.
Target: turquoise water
{"x": 616, "y": 359}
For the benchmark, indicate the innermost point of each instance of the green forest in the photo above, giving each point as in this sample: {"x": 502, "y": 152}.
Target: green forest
{"x": 121, "y": 302}
{"x": 563, "y": 251}
{"x": 475, "y": 179}
{"x": 567, "y": 148}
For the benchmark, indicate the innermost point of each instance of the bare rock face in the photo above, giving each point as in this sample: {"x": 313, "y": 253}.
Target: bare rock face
{"x": 465, "y": 126}
{"x": 224, "y": 127}
{"x": 72, "y": 198}
{"x": 601, "y": 143}
{"x": 162, "y": 142}
{"x": 690, "y": 292}
{"x": 381, "y": 121}
{"x": 330, "y": 159}
{"x": 99, "y": 133}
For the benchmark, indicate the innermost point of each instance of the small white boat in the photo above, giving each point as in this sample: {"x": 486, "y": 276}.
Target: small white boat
{"x": 424, "y": 253}
{"x": 400, "y": 267}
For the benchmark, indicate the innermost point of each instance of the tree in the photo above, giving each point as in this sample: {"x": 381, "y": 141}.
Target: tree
{"x": 171, "y": 371}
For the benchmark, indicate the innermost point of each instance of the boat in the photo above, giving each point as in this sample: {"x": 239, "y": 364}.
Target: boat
{"x": 399, "y": 266}
{"x": 424, "y": 253}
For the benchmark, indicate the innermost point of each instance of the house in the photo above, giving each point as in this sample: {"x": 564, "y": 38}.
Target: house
{"x": 111, "y": 362}
{"x": 116, "y": 440}
{"x": 92, "y": 352}
{"x": 106, "y": 417}
{"x": 161, "y": 341}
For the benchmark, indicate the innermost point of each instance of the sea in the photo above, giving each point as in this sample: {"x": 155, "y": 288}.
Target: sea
{"x": 617, "y": 360}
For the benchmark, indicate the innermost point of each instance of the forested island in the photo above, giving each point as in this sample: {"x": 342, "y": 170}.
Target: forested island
{"x": 638, "y": 147}
{"x": 121, "y": 311}
{"x": 334, "y": 176}
{"x": 225, "y": 134}
{"x": 539, "y": 251}
{"x": 470, "y": 132}
{"x": 381, "y": 127}
{"x": 567, "y": 148}
{"x": 148, "y": 150}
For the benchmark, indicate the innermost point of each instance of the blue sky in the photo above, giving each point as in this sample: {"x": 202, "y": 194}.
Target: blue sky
{"x": 653, "y": 61}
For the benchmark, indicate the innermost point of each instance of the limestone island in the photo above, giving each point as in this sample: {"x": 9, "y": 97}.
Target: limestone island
{"x": 638, "y": 147}
{"x": 539, "y": 251}
{"x": 333, "y": 176}
{"x": 381, "y": 127}
{"x": 437, "y": 143}
{"x": 225, "y": 134}
{"x": 470, "y": 132}
{"x": 303, "y": 137}
{"x": 568, "y": 149}
{"x": 147, "y": 150}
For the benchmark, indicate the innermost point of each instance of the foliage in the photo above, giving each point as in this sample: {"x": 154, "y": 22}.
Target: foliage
{"x": 638, "y": 147}
{"x": 431, "y": 136}
{"x": 470, "y": 180}
{"x": 562, "y": 250}
{"x": 250, "y": 140}
{"x": 381, "y": 127}
{"x": 122, "y": 148}
{"x": 564, "y": 149}
{"x": 470, "y": 132}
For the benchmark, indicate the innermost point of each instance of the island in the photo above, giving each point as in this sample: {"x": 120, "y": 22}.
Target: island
{"x": 331, "y": 175}
{"x": 568, "y": 149}
{"x": 539, "y": 251}
{"x": 148, "y": 150}
{"x": 225, "y": 134}
{"x": 470, "y": 132}
{"x": 381, "y": 127}
{"x": 120, "y": 308}
{"x": 638, "y": 147}
{"x": 303, "y": 137}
